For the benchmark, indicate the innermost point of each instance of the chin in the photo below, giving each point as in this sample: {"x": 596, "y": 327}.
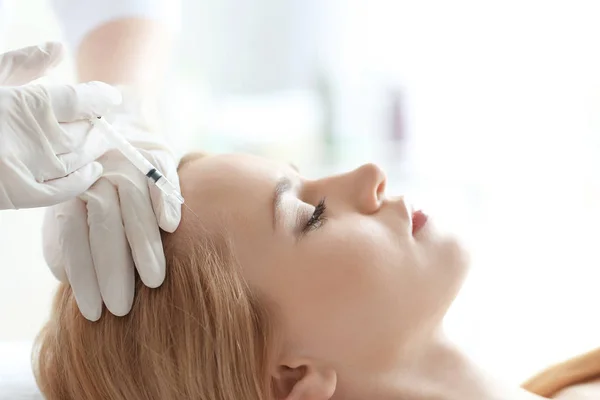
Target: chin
{"x": 448, "y": 262}
{"x": 459, "y": 263}
{"x": 452, "y": 263}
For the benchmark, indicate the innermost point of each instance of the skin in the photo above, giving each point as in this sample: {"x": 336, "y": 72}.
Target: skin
{"x": 359, "y": 298}
{"x": 131, "y": 51}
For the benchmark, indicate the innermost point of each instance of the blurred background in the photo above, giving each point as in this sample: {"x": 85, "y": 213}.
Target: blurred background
{"x": 487, "y": 114}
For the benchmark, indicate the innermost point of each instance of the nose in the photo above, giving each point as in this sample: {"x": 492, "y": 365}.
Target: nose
{"x": 369, "y": 184}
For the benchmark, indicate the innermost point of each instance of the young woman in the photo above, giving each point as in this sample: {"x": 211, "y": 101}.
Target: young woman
{"x": 279, "y": 288}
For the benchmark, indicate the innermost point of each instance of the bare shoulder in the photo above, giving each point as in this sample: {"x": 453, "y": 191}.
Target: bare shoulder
{"x": 584, "y": 391}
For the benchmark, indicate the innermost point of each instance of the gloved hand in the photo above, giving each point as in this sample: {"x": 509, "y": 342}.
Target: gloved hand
{"x": 46, "y": 153}
{"x": 95, "y": 241}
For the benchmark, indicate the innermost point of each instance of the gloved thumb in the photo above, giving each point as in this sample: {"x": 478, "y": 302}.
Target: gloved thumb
{"x": 22, "y": 66}
{"x": 72, "y": 185}
{"x": 166, "y": 209}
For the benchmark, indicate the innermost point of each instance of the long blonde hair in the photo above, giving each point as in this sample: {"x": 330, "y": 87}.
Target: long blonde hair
{"x": 202, "y": 335}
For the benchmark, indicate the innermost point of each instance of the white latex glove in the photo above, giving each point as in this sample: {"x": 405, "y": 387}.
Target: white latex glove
{"x": 46, "y": 152}
{"x": 97, "y": 241}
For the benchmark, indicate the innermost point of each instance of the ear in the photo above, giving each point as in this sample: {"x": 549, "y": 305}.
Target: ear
{"x": 303, "y": 381}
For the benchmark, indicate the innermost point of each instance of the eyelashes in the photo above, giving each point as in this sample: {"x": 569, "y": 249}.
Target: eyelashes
{"x": 317, "y": 218}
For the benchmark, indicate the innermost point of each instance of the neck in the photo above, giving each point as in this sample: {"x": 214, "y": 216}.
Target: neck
{"x": 437, "y": 371}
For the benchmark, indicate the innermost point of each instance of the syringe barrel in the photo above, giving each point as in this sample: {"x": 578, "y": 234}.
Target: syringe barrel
{"x": 138, "y": 160}
{"x": 130, "y": 152}
{"x": 167, "y": 188}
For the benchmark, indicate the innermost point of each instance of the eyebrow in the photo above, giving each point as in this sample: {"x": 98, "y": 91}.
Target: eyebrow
{"x": 283, "y": 185}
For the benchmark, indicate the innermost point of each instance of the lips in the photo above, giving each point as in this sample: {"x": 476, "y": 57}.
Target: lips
{"x": 419, "y": 219}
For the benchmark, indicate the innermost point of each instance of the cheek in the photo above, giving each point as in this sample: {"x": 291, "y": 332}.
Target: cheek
{"x": 351, "y": 259}
{"x": 345, "y": 278}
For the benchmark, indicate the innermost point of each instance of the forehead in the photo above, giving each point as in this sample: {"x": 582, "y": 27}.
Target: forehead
{"x": 225, "y": 175}
{"x": 235, "y": 190}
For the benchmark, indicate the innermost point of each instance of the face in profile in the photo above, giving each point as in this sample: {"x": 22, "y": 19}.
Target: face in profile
{"x": 353, "y": 275}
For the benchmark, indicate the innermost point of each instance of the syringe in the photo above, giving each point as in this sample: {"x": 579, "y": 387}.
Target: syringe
{"x": 138, "y": 160}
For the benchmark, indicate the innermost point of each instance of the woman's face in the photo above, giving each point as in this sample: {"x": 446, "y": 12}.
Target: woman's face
{"x": 336, "y": 256}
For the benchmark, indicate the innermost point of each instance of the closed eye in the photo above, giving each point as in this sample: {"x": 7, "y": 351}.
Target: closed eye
{"x": 317, "y": 219}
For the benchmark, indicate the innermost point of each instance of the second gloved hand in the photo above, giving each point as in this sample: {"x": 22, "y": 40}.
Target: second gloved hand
{"x": 47, "y": 154}
{"x": 96, "y": 242}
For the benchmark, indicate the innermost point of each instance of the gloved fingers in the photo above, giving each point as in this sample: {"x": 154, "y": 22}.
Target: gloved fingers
{"x": 166, "y": 208}
{"x": 142, "y": 233}
{"x": 71, "y": 136}
{"x": 22, "y": 66}
{"x": 67, "y": 252}
{"x": 51, "y": 242}
{"x": 109, "y": 248}
{"x": 72, "y": 185}
{"x": 82, "y": 101}
{"x": 81, "y": 146}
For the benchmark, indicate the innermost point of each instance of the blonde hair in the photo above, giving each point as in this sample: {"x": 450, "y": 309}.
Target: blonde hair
{"x": 202, "y": 335}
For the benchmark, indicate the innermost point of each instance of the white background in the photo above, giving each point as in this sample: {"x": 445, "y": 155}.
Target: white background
{"x": 504, "y": 124}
